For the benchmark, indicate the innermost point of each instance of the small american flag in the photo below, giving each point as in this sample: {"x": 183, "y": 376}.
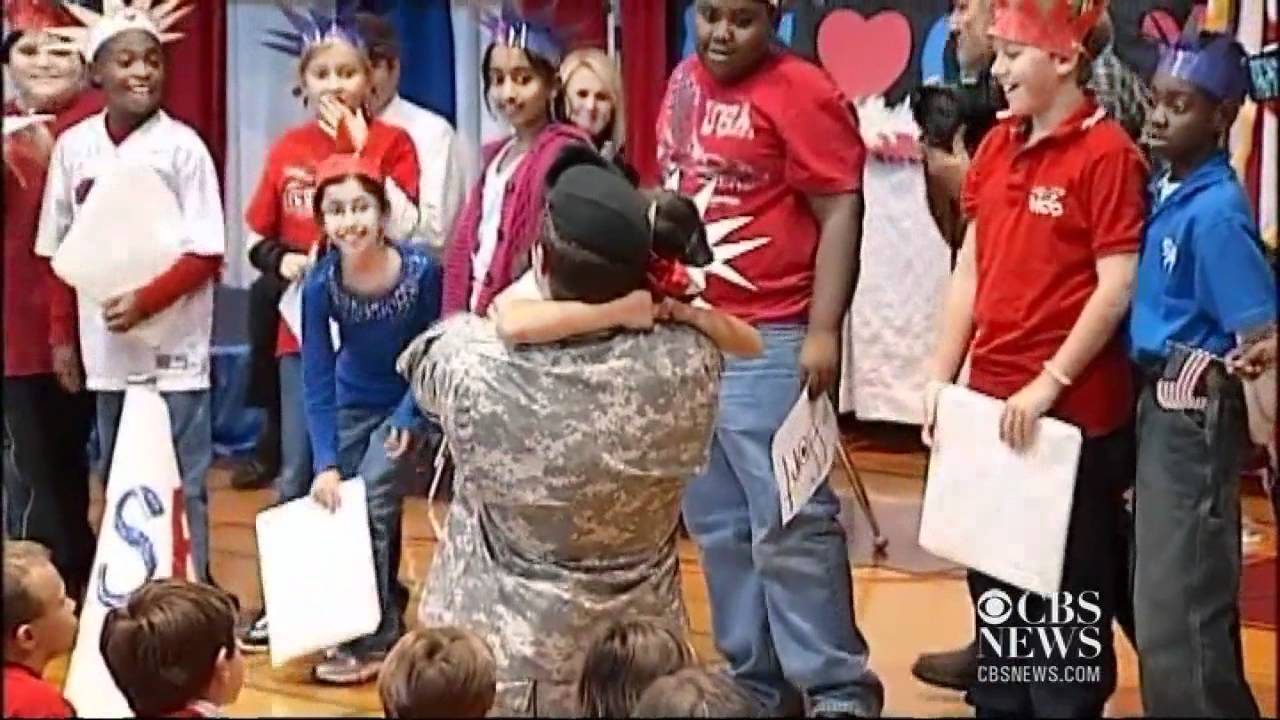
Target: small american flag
{"x": 1179, "y": 392}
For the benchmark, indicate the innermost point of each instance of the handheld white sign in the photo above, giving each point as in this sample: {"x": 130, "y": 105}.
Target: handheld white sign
{"x": 803, "y": 450}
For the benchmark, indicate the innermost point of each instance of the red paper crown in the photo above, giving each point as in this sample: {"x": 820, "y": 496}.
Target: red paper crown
{"x": 340, "y": 166}
{"x": 36, "y": 15}
{"x": 1050, "y": 25}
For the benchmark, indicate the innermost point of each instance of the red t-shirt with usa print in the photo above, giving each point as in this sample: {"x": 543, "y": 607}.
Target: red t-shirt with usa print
{"x": 752, "y": 152}
{"x": 1044, "y": 214}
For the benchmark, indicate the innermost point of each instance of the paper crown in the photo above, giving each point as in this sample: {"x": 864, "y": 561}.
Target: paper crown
{"x": 1050, "y": 25}
{"x": 36, "y": 15}
{"x": 510, "y": 26}
{"x": 345, "y": 164}
{"x": 1217, "y": 66}
{"x": 119, "y": 16}
{"x": 312, "y": 28}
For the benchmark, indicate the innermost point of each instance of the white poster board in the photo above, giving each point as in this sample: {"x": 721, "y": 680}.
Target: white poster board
{"x": 803, "y": 449}
{"x": 125, "y": 235}
{"x": 318, "y": 583}
{"x": 987, "y": 507}
{"x": 291, "y": 310}
{"x": 135, "y": 544}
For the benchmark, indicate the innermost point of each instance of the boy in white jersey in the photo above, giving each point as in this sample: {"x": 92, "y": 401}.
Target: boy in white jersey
{"x": 128, "y": 63}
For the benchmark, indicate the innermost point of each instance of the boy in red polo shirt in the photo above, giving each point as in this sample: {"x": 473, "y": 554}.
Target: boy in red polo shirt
{"x": 1055, "y": 195}
{"x": 39, "y": 625}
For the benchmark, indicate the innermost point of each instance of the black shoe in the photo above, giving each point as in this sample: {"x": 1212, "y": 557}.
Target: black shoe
{"x": 252, "y": 476}
{"x": 954, "y": 669}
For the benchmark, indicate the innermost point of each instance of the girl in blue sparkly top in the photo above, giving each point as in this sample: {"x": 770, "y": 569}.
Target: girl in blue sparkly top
{"x": 362, "y": 303}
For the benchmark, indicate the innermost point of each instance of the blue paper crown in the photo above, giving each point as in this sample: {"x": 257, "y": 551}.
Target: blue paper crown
{"x": 1217, "y": 67}
{"x": 509, "y": 27}
{"x": 312, "y": 28}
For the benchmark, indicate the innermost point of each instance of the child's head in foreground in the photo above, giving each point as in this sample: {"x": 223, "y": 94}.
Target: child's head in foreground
{"x": 39, "y": 618}
{"x": 444, "y": 672}
{"x": 694, "y": 692}
{"x": 624, "y": 658}
{"x": 173, "y": 644}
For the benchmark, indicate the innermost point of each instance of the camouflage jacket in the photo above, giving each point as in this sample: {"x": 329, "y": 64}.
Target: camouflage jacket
{"x": 570, "y": 460}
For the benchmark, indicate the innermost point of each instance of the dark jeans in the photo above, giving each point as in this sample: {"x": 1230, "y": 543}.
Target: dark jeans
{"x": 46, "y": 472}
{"x": 361, "y": 436}
{"x": 264, "y": 378}
{"x": 1089, "y": 565}
{"x": 1189, "y": 555}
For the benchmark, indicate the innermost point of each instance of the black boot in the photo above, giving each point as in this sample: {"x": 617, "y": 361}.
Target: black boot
{"x": 954, "y": 669}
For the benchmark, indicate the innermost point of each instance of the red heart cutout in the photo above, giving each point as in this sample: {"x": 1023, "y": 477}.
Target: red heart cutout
{"x": 865, "y": 56}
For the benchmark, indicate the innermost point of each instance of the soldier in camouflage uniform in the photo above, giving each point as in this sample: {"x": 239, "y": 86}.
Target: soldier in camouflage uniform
{"x": 570, "y": 458}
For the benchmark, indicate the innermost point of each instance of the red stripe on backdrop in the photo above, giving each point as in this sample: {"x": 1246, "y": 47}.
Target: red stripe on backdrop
{"x": 644, "y": 78}
{"x": 196, "y": 88}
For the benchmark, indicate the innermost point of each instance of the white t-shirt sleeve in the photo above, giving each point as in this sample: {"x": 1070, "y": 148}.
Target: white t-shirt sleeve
{"x": 200, "y": 201}
{"x": 402, "y": 218}
{"x": 442, "y": 188}
{"x": 58, "y": 205}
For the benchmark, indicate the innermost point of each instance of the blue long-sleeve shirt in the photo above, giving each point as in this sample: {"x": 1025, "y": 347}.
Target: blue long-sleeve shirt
{"x": 373, "y": 332}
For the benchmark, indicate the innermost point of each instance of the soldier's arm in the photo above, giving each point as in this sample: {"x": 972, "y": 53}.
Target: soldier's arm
{"x": 535, "y": 322}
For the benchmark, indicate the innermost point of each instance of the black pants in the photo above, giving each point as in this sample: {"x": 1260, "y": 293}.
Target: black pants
{"x": 264, "y": 380}
{"x": 1082, "y": 685}
{"x": 46, "y": 472}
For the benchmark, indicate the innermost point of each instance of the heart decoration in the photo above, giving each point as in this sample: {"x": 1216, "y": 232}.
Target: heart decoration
{"x": 865, "y": 56}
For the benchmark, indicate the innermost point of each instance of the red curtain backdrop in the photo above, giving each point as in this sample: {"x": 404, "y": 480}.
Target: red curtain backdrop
{"x": 644, "y": 78}
{"x": 196, "y": 86}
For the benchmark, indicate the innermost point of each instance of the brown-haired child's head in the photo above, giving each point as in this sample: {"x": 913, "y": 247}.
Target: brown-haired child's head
{"x": 624, "y": 658}
{"x": 173, "y": 643}
{"x": 39, "y": 618}
{"x": 445, "y": 672}
{"x": 694, "y": 692}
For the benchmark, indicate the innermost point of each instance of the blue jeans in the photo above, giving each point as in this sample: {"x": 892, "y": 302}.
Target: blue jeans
{"x": 189, "y": 417}
{"x": 295, "y": 444}
{"x": 781, "y": 597}
{"x": 361, "y": 435}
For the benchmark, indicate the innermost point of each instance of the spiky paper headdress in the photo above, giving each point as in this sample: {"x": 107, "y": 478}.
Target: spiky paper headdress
{"x": 312, "y": 28}
{"x": 1217, "y": 67}
{"x": 156, "y": 17}
{"x": 510, "y": 26}
{"x": 45, "y": 18}
{"x": 1050, "y": 25}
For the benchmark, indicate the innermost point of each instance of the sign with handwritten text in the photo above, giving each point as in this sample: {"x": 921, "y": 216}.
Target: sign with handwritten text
{"x": 803, "y": 450}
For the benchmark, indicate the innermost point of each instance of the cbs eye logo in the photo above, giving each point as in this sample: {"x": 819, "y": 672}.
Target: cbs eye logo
{"x": 994, "y": 606}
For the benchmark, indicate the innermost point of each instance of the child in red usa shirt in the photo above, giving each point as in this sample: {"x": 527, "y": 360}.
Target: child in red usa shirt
{"x": 769, "y": 138}
{"x": 39, "y": 625}
{"x": 334, "y": 77}
{"x": 1055, "y": 197}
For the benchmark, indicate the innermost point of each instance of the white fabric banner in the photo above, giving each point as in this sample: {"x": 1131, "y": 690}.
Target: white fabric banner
{"x": 892, "y": 323}
{"x": 136, "y": 543}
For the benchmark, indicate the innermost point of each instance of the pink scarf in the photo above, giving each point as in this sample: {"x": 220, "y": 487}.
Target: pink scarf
{"x": 522, "y": 212}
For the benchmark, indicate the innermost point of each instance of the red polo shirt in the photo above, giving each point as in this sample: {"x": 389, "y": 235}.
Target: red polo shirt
{"x": 1044, "y": 215}
{"x": 26, "y": 694}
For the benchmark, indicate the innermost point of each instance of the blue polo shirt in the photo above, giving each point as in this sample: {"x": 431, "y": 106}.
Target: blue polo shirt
{"x": 1202, "y": 276}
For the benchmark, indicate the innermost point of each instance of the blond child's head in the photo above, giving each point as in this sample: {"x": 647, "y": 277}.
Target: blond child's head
{"x": 444, "y": 672}
{"x": 624, "y": 658}
{"x": 1044, "y": 49}
{"x": 39, "y": 618}
{"x": 172, "y": 644}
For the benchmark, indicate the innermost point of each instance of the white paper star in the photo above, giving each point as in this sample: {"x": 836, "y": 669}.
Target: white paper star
{"x": 717, "y": 232}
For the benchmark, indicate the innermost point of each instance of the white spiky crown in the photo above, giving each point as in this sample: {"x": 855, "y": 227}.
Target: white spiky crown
{"x": 156, "y": 17}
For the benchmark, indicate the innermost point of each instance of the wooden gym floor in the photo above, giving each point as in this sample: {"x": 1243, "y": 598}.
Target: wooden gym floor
{"x": 901, "y": 615}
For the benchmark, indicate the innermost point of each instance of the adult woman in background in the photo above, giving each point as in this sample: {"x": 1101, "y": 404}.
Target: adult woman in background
{"x": 594, "y": 101}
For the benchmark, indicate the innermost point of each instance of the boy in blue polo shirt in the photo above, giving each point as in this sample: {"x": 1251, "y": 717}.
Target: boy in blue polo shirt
{"x": 1203, "y": 289}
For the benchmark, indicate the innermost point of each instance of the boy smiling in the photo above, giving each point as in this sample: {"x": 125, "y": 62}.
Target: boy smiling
{"x": 127, "y": 62}
{"x": 1041, "y": 285}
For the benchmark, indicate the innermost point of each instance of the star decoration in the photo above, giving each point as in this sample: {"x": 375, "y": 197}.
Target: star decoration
{"x": 718, "y": 231}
